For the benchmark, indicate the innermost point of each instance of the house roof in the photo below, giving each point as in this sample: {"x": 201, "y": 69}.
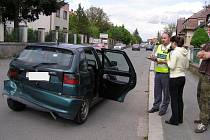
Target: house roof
{"x": 202, "y": 13}
{"x": 192, "y": 22}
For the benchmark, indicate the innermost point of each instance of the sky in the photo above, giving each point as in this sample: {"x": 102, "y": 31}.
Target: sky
{"x": 148, "y": 16}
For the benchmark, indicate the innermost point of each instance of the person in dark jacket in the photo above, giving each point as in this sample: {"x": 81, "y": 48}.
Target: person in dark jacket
{"x": 203, "y": 89}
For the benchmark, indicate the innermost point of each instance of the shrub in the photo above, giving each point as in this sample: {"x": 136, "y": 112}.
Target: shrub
{"x": 11, "y": 36}
{"x": 32, "y": 35}
{"x": 199, "y": 37}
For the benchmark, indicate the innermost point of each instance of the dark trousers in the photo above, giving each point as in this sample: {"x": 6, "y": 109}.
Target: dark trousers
{"x": 176, "y": 86}
{"x": 161, "y": 87}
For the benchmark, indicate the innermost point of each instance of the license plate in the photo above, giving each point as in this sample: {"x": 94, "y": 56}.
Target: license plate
{"x": 38, "y": 76}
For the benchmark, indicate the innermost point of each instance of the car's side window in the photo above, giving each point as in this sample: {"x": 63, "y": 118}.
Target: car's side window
{"x": 90, "y": 57}
{"x": 82, "y": 62}
{"x": 118, "y": 63}
{"x": 117, "y": 60}
{"x": 106, "y": 61}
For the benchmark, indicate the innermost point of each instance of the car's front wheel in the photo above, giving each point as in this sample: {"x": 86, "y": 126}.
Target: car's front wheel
{"x": 15, "y": 105}
{"x": 82, "y": 114}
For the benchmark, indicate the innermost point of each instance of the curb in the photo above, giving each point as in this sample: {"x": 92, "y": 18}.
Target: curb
{"x": 155, "y": 123}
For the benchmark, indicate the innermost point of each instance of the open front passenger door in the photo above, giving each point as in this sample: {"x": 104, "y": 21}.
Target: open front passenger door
{"x": 118, "y": 75}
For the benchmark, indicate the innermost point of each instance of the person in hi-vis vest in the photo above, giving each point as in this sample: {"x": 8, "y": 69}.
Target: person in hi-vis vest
{"x": 161, "y": 53}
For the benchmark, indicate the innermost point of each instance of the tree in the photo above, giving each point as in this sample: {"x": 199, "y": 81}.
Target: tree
{"x": 159, "y": 38}
{"x": 82, "y": 21}
{"x": 170, "y": 28}
{"x": 73, "y": 23}
{"x": 136, "y": 37}
{"x": 94, "y": 31}
{"x": 120, "y": 34}
{"x": 98, "y": 18}
{"x": 28, "y": 10}
{"x": 199, "y": 37}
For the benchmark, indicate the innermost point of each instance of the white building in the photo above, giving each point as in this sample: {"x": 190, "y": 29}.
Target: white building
{"x": 56, "y": 21}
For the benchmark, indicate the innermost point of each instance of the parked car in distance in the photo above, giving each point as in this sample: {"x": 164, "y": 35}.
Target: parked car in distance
{"x": 66, "y": 80}
{"x": 99, "y": 45}
{"x": 149, "y": 47}
{"x": 136, "y": 47}
{"x": 119, "y": 46}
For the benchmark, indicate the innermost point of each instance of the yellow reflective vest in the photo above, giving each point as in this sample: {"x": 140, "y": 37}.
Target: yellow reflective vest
{"x": 162, "y": 55}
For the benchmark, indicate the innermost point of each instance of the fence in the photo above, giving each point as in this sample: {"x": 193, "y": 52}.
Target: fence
{"x": 27, "y": 35}
{"x": 193, "y": 55}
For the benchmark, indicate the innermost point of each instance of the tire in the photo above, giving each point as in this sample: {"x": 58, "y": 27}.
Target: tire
{"x": 82, "y": 114}
{"x": 15, "y": 105}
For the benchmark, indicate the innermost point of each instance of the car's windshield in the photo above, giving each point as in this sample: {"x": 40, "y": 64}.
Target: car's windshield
{"x": 46, "y": 55}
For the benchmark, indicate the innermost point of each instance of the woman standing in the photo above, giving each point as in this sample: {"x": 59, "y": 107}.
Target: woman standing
{"x": 178, "y": 63}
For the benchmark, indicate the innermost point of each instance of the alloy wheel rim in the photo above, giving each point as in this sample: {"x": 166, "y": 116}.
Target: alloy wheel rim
{"x": 84, "y": 110}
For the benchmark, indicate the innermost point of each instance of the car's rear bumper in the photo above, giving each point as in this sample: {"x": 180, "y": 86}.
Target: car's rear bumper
{"x": 66, "y": 107}
{"x": 136, "y": 49}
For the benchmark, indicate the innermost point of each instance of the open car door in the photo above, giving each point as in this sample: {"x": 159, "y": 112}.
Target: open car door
{"x": 118, "y": 75}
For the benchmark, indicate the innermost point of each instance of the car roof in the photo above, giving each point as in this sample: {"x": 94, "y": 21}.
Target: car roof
{"x": 66, "y": 46}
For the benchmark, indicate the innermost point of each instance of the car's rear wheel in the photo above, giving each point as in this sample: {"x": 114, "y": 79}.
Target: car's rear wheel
{"x": 15, "y": 105}
{"x": 82, "y": 114}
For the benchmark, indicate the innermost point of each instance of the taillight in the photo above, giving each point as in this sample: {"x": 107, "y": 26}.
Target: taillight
{"x": 12, "y": 73}
{"x": 71, "y": 79}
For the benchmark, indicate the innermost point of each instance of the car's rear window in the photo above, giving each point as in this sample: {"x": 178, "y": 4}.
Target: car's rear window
{"x": 42, "y": 54}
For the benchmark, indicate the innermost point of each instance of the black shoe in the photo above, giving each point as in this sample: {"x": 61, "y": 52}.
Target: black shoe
{"x": 152, "y": 110}
{"x": 180, "y": 122}
{"x": 171, "y": 123}
{"x": 161, "y": 113}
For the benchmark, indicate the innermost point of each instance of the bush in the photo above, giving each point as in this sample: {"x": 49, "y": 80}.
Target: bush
{"x": 50, "y": 37}
{"x": 199, "y": 37}
{"x": 11, "y": 36}
{"x": 71, "y": 38}
{"x": 32, "y": 35}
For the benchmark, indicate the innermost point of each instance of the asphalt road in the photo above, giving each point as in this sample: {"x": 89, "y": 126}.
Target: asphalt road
{"x": 109, "y": 120}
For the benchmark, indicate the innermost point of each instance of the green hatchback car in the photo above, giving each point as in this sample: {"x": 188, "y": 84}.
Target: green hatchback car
{"x": 67, "y": 80}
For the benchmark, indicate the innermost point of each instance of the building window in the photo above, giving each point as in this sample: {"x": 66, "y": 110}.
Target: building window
{"x": 58, "y": 13}
{"x": 57, "y": 28}
{"x": 65, "y": 15}
{"x": 200, "y": 22}
{"x": 64, "y": 29}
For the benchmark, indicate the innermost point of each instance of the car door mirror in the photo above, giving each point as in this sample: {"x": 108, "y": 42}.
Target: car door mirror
{"x": 113, "y": 63}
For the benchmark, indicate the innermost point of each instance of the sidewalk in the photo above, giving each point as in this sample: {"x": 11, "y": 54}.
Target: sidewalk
{"x": 158, "y": 130}
{"x": 155, "y": 124}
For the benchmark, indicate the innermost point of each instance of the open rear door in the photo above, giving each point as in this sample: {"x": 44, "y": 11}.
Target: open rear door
{"x": 118, "y": 75}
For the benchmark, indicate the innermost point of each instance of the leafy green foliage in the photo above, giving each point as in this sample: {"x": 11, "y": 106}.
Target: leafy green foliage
{"x": 27, "y": 10}
{"x": 120, "y": 34}
{"x": 32, "y": 35}
{"x": 82, "y": 21}
{"x": 73, "y": 23}
{"x": 11, "y": 36}
{"x": 136, "y": 39}
{"x": 94, "y": 31}
{"x": 199, "y": 37}
{"x": 99, "y": 19}
{"x": 94, "y": 21}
